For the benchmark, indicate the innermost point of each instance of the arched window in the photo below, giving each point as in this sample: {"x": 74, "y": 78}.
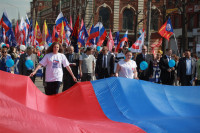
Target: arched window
{"x": 154, "y": 19}
{"x": 128, "y": 19}
{"x": 104, "y": 17}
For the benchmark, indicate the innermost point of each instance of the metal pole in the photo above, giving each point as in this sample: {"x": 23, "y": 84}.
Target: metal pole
{"x": 164, "y": 19}
{"x": 148, "y": 34}
{"x": 60, "y": 5}
{"x": 184, "y": 27}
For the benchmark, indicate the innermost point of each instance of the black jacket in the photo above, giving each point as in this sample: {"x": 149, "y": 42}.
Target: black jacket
{"x": 149, "y": 71}
{"x": 110, "y": 63}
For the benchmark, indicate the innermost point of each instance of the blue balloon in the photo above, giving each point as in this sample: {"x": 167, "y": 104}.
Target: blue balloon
{"x": 29, "y": 64}
{"x": 9, "y": 63}
{"x": 98, "y": 48}
{"x": 143, "y": 65}
{"x": 50, "y": 44}
{"x": 171, "y": 63}
{"x": 129, "y": 49}
{"x": 3, "y": 45}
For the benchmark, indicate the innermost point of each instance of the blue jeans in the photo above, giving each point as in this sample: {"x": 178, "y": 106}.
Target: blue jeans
{"x": 52, "y": 88}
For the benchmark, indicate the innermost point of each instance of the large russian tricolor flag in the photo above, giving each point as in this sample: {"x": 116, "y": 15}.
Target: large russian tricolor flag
{"x": 111, "y": 105}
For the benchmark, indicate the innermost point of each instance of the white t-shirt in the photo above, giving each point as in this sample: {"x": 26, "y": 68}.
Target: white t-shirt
{"x": 53, "y": 64}
{"x": 127, "y": 69}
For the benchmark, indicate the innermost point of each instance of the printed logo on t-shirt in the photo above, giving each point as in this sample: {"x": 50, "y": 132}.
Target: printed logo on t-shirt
{"x": 55, "y": 63}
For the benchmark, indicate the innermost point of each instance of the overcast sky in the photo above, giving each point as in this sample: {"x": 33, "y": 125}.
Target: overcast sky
{"x": 13, "y": 6}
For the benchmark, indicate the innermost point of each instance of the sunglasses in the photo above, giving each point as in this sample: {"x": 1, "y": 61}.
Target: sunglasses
{"x": 4, "y": 52}
{"x": 143, "y": 49}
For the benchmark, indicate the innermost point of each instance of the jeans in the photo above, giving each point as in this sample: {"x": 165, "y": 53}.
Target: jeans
{"x": 52, "y": 88}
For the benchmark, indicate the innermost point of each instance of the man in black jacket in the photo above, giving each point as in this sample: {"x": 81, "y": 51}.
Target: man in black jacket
{"x": 148, "y": 73}
{"x": 187, "y": 71}
{"x": 104, "y": 64}
{"x": 167, "y": 75}
{"x": 73, "y": 59}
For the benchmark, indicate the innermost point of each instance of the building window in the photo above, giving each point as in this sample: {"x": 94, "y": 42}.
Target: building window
{"x": 128, "y": 19}
{"x": 191, "y": 23}
{"x": 170, "y": 3}
{"x": 154, "y": 19}
{"x": 104, "y": 17}
{"x": 176, "y": 22}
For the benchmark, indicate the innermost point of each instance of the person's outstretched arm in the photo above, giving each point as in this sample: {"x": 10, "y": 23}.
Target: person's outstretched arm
{"x": 34, "y": 72}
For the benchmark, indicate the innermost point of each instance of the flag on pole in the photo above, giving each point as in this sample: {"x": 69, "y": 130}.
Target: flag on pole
{"x": 38, "y": 34}
{"x": 71, "y": 26}
{"x": 82, "y": 36}
{"x": 122, "y": 41}
{"x": 76, "y": 28}
{"x": 94, "y": 32}
{"x": 45, "y": 33}
{"x": 102, "y": 34}
{"x": 116, "y": 41}
{"x": 137, "y": 46}
{"x": 110, "y": 42}
{"x": 156, "y": 44}
{"x": 6, "y": 24}
{"x": 22, "y": 32}
{"x": 54, "y": 35}
{"x": 61, "y": 34}
{"x": 82, "y": 23}
{"x": 49, "y": 37}
{"x": 166, "y": 30}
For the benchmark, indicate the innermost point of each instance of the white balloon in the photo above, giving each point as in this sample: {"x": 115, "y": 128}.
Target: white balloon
{"x": 41, "y": 48}
{"x": 22, "y": 47}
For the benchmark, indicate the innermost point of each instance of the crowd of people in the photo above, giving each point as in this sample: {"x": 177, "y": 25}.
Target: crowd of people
{"x": 61, "y": 64}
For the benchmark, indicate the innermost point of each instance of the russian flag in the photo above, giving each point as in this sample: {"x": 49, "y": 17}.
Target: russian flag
{"x": 102, "y": 34}
{"x": 111, "y": 105}
{"x": 6, "y": 24}
{"x": 27, "y": 22}
{"x": 59, "y": 21}
{"x": 122, "y": 41}
{"x": 94, "y": 32}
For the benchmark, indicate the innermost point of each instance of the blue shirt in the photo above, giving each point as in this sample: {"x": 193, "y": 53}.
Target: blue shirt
{"x": 188, "y": 66}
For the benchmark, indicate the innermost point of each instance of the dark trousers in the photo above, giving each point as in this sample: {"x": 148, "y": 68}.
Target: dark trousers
{"x": 143, "y": 77}
{"x": 52, "y": 88}
{"x": 67, "y": 82}
{"x": 103, "y": 74}
{"x": 186, "y": 81}
{"x": 86, "y": 77}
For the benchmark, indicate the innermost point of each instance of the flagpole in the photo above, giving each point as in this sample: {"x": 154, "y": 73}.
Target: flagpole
{"x": 176, "y": 44}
